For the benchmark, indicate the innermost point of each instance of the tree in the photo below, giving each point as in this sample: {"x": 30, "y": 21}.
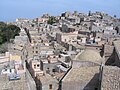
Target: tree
{"x": 2, "y": 25}
{"x": 51, "y": 20}
{"x": 12, "y": 31}
{"x": 1, "y": 40}
{"x": 8, "y": 32}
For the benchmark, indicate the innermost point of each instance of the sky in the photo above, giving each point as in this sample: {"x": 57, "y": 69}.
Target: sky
{"x": 12, "y": 9}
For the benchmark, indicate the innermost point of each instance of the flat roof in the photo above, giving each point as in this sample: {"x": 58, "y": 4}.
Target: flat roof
{"x": 13, "y": 85}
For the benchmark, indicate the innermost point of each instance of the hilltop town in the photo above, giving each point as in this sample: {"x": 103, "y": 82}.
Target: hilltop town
{"x": 73, "y": 51}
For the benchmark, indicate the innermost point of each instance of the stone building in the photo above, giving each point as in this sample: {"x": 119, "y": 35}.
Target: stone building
{"x": 35, "y": 66}
{"x": 66, "y": 37}
{"x": 112, "y": 54}
{"x": 84, "y": 78}
{"x": 89, "y": 55}
{"x": 47, "y": 82}
{"x": 84, "y": 72}
{"x": 110, "y": 78}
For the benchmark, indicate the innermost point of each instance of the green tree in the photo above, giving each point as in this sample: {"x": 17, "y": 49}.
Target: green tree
{"x": 12, "y": 31}
{"x": 8, "y": 32}
{"x": 1, "y": 40}
{"x": 51, "y": 20}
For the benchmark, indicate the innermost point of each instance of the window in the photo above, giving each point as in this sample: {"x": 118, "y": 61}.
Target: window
{"x": 34, "y": 66}
{"x": 53, "y": 70}
{"x": 32, "y": 47}
{"x": 50, "y": 86}
{"x": 38, "y": 65}
{"x": 36, "y": 51}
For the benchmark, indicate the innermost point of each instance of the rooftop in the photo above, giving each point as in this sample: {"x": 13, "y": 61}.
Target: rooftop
{"x": 111, "y": 78}
{"x": 89, "y": 55}
{"x": 46, "y": 78}
{"x": 83, "y": 74}
{"x": 5, "y": 84}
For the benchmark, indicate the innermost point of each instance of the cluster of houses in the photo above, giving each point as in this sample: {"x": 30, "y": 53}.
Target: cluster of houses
{"x": 76, "y": 52}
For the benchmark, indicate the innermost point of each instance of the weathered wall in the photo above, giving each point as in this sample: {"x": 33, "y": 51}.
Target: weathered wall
{"x": 30, "y": 81}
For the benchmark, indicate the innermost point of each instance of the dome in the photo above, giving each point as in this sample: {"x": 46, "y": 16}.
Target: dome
{"x": 89, "y": 55}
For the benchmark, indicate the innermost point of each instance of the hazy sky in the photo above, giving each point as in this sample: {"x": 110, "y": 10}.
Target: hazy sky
{"x": 12, "y": 9}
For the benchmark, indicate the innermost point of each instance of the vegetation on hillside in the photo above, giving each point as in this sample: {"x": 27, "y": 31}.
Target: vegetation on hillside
{"x": 8, "y": 32}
